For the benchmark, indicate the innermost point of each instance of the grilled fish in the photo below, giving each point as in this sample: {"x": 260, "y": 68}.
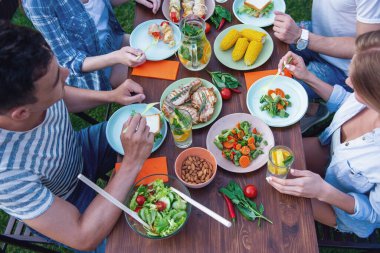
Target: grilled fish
{"x": 204, "y": 100}
{"x": 192, "y": 111}
{"x": 182, "y": 94}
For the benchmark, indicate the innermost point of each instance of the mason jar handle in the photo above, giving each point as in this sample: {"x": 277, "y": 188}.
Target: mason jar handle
{"x": 194, "y": 55}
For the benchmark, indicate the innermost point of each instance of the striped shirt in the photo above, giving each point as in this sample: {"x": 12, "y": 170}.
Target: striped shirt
{"x": 73, "y": 36}
{"x": 37, "y": 164}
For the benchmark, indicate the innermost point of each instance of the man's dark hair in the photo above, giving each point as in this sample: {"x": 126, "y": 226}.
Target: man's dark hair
{"x": 24, "y": 58}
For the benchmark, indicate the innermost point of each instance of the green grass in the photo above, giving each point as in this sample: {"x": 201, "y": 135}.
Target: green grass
{"x": 298, "y": 9}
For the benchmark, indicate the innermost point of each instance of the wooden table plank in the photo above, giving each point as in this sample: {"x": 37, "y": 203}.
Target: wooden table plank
{"x": 293, "y": 228}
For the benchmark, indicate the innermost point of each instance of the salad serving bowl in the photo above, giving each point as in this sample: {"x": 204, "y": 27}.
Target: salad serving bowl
{"x": 175, "y": 217}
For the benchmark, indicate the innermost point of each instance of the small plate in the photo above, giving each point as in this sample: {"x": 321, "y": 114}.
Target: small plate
{"x": 225, "y": 56}
{"x": 279, "y": 5}
{"x": 178, "y": 83}
{"x": 115, "y": 125}
{"x": 210, "y": 4}
{"x": 298, "y": 98}
{"x": 230, "y": 121}
{"x": 141, "y": 39}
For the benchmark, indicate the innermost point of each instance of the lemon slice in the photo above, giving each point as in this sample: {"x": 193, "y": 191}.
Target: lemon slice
{"x": 279, "y": 158}
{"x": 183, "y": 137}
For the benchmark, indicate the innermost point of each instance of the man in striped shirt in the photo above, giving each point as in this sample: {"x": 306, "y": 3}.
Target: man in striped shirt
{"x": 41, "y": 155}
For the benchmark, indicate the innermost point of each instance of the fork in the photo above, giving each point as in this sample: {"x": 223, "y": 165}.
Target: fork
{"x": 278, "y": 73}
{"x": 154, "y": 42}
{"x": 147, "y": 108}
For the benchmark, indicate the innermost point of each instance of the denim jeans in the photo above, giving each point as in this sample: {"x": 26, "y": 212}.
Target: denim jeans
{"x": 98, "y": 159}
{"x": 319, "y": 67}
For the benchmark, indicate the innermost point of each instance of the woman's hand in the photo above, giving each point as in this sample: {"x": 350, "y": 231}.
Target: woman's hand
{"x": 151, "y": 4}
{"x": 129, "y": 56}
{"x": 296, "y": 66}
{"x": 306, "y": 184}
{"x": 137, "y": 141}
{"x": 123, "y": 94}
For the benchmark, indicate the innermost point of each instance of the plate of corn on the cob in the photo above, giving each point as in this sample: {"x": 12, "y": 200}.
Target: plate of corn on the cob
{"x": 243, "y": 47}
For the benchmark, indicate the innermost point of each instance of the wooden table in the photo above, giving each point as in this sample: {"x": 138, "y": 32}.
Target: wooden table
{"x": 293, "y": 228}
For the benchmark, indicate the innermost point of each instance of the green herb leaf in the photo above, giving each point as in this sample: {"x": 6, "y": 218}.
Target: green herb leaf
{"x": 288, "y": 160}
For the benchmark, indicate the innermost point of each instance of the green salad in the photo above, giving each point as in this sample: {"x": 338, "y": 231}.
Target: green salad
{"x": 254, "y": 13}
{"x": 159, "y": 207}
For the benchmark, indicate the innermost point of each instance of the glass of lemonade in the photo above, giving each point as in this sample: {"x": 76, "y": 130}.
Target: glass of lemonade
{"x": 280, "y": 161}
{"x": 181, "y": 128}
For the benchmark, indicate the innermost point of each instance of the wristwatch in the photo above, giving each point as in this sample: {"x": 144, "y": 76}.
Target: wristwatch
{"x": 303, "y": 41}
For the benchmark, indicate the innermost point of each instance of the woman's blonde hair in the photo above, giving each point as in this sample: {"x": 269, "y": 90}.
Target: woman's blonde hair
{"x": 365, "y": 68}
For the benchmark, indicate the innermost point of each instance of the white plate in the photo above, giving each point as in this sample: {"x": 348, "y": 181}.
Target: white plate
{"x": 210, "y": 4}
{"x": 230, "y": 121}
{"x": 115, "y": 125}
{"x": 298, "y": 98}
{"x": 279, "y": 5}
{"x": 141, "y": 39}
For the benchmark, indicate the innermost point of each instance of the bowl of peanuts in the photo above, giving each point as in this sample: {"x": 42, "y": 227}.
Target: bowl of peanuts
{"x": 195, "y": 167}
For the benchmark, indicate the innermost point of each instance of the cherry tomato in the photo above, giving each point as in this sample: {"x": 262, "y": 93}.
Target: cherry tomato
{"x": 226, "y": 93}
{"x": 250, "y": 191}
{"x": 208, "y": 28}
{"x": 140, "y": 200}
{"x": 160, "y": 206}
{"x": 164, "y": 22}
{"x": 137, "y": 210}
{"x": 173, "y": 17}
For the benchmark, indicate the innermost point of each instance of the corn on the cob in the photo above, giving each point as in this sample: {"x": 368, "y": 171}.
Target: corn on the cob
{"x": 251, "y": 35}
{"x": 253, "y": 51}
{"x": 229, "y": 40}
{"x": 239, "y": 49}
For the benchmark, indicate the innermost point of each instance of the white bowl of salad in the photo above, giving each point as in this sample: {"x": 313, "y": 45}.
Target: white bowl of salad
{"x": 156, "y": 204}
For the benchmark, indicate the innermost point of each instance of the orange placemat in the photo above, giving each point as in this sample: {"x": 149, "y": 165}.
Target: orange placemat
{"x": 151, "y": 166}
{"x": 251, "y": 77}
{"x": 167, "y": 70}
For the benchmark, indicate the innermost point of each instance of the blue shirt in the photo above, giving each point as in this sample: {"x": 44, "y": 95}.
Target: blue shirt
{"x": 73, "y": 36}
{"x": 355, "y": 166}
{"x": 37, "y": 164}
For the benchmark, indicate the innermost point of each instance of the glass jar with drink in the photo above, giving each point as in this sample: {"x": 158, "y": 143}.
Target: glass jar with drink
{"x": 280, "y": 161}
{"x": 181, "y": 127}
{"x": 195, "y": 50}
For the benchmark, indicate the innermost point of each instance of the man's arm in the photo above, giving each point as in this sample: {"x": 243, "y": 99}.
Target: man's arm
{"x": 340, "y": 47}
{"x": 286, "y": 30}
{"x": 63, "y": 222}
{"x": 79, "y": 100}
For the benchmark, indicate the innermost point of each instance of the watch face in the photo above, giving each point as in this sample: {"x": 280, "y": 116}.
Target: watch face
{"x": 302, "y": 44}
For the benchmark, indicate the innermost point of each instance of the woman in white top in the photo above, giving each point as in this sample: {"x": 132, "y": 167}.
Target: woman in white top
{"x": 349, "y": 197}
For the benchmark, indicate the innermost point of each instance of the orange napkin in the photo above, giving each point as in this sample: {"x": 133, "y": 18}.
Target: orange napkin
{"x": 158, "y": 69}
{"x": 251, "y": 77}
{"x": 151, "y": 166}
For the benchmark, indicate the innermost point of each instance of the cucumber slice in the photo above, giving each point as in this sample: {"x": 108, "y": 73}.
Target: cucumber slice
{"x": 179, "y": 205}
{"x": 166, "y": 200}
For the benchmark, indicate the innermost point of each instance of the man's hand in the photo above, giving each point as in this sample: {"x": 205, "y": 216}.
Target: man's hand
{"x": 306, "y": 184}
{"x": 137, "y": 141}
{"x": 122, "y": 94}
{"x": 129, "y": 56}
{"x": 151, "y": 4}
{"x": 297, "y": 66}
{"x": 285, "y": 29}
